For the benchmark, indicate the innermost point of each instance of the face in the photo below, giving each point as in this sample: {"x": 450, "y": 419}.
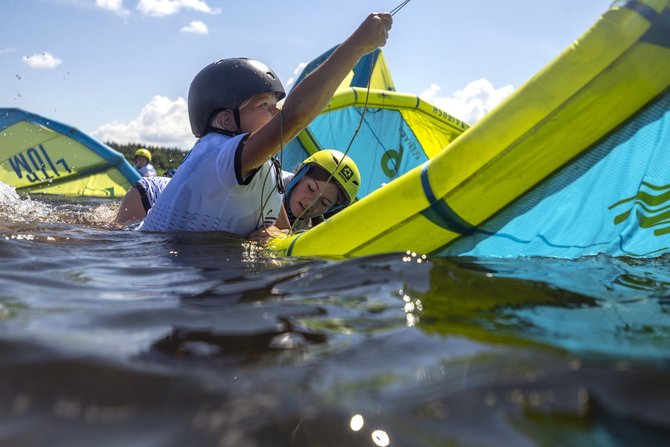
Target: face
{"x": 257, "y": 111}
{"x": 311, "y": 197}
{"x": 141, "y": 161}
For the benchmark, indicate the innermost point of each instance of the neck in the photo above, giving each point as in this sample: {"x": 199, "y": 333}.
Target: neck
{"x": 213, "y": 129}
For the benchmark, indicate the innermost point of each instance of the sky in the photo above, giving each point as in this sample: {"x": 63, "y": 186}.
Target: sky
{"x": 119, "y": 70}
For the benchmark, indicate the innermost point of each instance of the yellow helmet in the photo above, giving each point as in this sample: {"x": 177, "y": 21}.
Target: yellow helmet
{"x": 341, "y": 167}
{"x": 141, "y": 152}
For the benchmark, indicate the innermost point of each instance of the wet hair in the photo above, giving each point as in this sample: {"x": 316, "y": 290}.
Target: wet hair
{"x": 316, "y": 172}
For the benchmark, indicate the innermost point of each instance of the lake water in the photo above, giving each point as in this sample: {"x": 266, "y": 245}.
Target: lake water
{"x": 110, "y": 337}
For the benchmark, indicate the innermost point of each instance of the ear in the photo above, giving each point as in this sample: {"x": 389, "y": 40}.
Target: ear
{"x": 225, "y": 120}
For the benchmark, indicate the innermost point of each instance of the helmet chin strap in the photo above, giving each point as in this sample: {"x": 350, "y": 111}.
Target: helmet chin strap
{"x": 236, "y": 117}
{"x": 230, "y": 133}
{"x": 289, "y": 190}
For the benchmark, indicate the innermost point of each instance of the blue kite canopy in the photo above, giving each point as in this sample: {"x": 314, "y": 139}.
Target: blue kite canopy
{"x": 40, "y": 155}
{"x": 614, "y": 199}
{"x": 397, "y": 133}
{"x": 370, "y": 71}
{"x": 385, "y": 132}
{"x": 573, "y": 163}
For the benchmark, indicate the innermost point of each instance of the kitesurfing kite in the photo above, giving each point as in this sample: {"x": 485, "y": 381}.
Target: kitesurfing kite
{"x": 573, "y": 163}
{"x": 387, "y": 133}
{"x": 40, "y": 155}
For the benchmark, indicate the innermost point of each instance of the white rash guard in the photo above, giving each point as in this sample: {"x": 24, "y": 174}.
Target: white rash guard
{"x": 208, "y": 193}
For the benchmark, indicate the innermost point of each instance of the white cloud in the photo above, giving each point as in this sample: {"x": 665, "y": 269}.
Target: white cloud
{"x": 115, "y": 6}
{"x": 160, "y": 8}
{"x": 44, "y": 60}
{"x": 7, "y": 50}
{"x": 470, "y": 104}
{"x": 161, "y": 122}
{"x": 196, "y": 27}
{"x": 296, "y": 74}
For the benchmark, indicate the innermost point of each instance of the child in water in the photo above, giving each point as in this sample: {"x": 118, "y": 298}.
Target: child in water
{"x": 140, "y": 198}
{"x": 324, "y": 183}
{"x": 231, "y": 181}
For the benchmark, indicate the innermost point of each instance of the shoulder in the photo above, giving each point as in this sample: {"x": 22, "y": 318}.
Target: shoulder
{"x": 287, "y": 176}
{"x": 150, "y": 184}
{"x": 214, "y": 138}
{"x": 214, "y": 143}
{"x": 158, "y": 181}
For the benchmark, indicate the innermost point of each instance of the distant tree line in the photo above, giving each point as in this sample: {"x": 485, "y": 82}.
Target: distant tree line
{"x": 163, "y": 158}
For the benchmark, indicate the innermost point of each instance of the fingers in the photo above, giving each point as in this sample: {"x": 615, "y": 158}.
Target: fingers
{"x": 383, "y": 18}
{"x": 386, "y": 21}
{"x": 386, "y": 18}
{"x": 373, "y": 32}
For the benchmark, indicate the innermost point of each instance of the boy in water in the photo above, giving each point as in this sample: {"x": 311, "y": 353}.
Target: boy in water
{"x": 140, "y": 198}
{"x": 324, "y": 183}
{"x": 230, "y": 181}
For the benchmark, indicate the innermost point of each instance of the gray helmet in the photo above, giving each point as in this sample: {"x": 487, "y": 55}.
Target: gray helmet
{"x": 224, "y": 85}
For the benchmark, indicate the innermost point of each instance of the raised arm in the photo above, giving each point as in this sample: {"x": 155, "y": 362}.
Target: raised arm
{"x": 312, "y": 95}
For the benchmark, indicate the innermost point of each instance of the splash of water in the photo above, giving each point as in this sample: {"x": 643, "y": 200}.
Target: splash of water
{"x": 16, "y": 208}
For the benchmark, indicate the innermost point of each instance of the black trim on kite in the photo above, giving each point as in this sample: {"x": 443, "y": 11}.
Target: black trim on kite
{"x": 645, "y": 11}
{"x": 290, "y": 247}
{"x": 659, "y": 32}
{"x": 312, "y": 138}
{"x": 440, "y": 213}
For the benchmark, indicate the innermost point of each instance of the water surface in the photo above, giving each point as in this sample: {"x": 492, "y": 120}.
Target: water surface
{"x": 114, "y": 337}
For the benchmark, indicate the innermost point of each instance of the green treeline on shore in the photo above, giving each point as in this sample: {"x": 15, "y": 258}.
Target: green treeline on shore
{"x": 163, "y": 158}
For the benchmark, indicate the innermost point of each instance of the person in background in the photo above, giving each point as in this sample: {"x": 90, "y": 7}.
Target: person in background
{"x": 231, "y": 181}
{"x": 324, "y": 183}
{"x": 143, "y": 163}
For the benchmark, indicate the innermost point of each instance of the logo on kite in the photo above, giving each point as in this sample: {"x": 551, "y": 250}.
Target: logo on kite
{"x": 650, "y": 205}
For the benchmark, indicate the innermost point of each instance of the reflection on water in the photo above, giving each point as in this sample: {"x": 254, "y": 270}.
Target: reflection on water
{"x": 593, "y": 306}
{"x": 112, "y": 337}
